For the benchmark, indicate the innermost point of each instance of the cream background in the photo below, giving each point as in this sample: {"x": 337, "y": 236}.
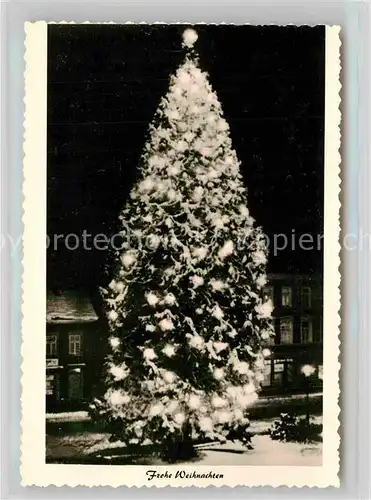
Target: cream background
{"x": 34, "y": 471}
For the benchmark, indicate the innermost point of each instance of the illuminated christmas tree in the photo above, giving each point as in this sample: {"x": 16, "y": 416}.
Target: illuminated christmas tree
{"x": 185, "y": 309}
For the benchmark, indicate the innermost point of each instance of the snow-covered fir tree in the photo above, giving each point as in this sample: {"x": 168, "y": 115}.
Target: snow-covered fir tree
{"x": 185, "y": 309}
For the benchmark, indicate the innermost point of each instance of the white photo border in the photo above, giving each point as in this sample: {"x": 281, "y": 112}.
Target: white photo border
{"x": 34, "y": 470}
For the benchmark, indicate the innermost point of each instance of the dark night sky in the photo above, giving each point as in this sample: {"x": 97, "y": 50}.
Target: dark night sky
{"x": 104, "y": 85}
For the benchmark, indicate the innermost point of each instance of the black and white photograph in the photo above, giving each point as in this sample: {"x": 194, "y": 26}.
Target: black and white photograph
{"x": 185, "y": 195}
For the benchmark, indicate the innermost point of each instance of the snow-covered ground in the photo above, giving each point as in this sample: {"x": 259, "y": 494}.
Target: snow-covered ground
{"x": 262, "y": 426}
{"x": 68, "y": 416}
{"x": 265, "y": 452}
{"x": 83, "y": 416}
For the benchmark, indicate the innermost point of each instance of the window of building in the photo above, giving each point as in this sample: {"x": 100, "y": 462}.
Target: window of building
{"x": 267, "y": 373}
{"x": 306, "y": 297}
{"x": 49, "y": 385}
{"x": 283, "y": 372}
{"x": 286, "y": 331}
{"x": 279, "y": 370}
{"x": 74, "y": 344}
{"x": 269, "y": 294}
{"x": 51, "y": 345}
{"x": 306, "y": 333}
{"x": 286, "y": 296}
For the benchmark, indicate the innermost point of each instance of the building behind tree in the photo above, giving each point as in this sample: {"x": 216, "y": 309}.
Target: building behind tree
{"x": 76, "y": 340}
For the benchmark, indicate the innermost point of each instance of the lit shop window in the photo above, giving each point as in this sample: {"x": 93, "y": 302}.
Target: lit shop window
{"x": 51, "y": 345}
{"x": 279, "y": 368}
{"x": 306, "y": 332}
{"x": 286, "y": 296}
{"x": 74, "y": 344}
{"x": 283, "y": 372}
{"x": 269, "y": 294}
{"x": 306, "y": 297}
{"x": 286, "y": 331}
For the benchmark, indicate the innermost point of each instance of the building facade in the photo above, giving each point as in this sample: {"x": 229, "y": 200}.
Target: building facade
{"x": 74, "y": 351}
{"x": 76, "y": 343}
{"x": 298, "y": 318}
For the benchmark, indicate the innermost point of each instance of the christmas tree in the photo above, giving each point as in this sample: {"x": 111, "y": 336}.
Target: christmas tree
{"x": 185, "y": 309}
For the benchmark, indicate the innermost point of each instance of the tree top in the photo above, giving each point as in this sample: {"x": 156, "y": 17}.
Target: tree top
{"x": 189, "y": 37}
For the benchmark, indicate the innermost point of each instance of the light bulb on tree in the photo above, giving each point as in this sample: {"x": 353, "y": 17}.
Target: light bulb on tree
{"x": 189, "y": 37}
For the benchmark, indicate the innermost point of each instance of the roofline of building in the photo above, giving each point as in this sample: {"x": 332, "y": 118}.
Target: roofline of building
{"x": 70, "y": 320}
{"x": 279, "y": 276}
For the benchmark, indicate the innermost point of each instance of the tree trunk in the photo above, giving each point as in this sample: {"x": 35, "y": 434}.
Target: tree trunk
{"x": 179, "y": 446}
